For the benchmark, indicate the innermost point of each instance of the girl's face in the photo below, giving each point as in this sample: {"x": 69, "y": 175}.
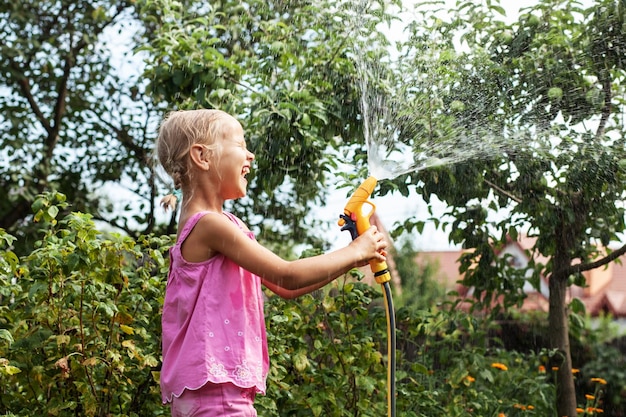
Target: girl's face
{"x": 233, "y": 161}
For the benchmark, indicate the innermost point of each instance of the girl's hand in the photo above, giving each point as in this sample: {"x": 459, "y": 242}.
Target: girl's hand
{"x": 369, "y": 246}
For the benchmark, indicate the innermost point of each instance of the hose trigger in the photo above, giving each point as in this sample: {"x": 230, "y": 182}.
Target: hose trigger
{"x": 348, "y": 224}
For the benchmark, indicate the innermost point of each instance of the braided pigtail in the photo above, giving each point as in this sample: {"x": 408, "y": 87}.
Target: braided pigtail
{"x": 170, "y": 201}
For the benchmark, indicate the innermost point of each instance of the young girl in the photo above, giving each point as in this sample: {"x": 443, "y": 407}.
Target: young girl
{"x": 214, "y": 346}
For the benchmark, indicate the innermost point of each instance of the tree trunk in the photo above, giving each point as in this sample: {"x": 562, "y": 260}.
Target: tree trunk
{"x": 559, "y": 341}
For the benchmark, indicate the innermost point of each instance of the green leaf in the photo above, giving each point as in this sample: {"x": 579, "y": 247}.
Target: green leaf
{"x": 6, "y": 336}
{"x": 577, "y": 306}
{"x": 300, "y": 361}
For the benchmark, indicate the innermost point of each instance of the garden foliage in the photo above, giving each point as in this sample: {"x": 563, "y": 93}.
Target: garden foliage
{"x": 80, "y": 336}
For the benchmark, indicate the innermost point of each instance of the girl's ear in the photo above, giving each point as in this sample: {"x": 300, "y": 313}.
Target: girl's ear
{"x": 200, "y": 156}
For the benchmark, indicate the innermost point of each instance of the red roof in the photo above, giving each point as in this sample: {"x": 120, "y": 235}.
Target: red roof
{"x": 605, "y": 290}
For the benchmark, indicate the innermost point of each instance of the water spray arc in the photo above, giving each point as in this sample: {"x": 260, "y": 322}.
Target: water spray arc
{"x": 356, "y": 221}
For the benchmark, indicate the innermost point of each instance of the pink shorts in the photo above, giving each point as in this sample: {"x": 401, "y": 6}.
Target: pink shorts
{"x": 215, "y": 400}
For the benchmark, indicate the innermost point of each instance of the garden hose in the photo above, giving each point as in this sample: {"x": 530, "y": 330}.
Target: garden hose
{"x": 391, "y": 351}
{"x": 356, "y": 222}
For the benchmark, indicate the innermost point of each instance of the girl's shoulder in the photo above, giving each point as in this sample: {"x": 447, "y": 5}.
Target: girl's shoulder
{"x": 196, "y": 230}
{"x": 237, "y": 221}
{"x": 207, "y": 218}
{"x": 188, "y": 221}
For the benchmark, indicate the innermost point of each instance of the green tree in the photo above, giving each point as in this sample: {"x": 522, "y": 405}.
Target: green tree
{"x": 74, "y": 122}
{"x": 71, "y": 120}
{"x": 551, "y": 84}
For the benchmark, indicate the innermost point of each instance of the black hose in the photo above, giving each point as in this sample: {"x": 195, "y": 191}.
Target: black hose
{"x": 391, "y": 351}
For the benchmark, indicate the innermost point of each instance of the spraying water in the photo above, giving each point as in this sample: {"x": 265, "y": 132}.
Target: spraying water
{"x": 405, "y": 135}
{"x": 388, "y": 156}
{"x": 414, "y": 124}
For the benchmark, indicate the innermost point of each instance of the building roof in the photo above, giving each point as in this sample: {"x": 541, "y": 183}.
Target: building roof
{"x": 446, "y": 265}
{"x": 605, "y": 290}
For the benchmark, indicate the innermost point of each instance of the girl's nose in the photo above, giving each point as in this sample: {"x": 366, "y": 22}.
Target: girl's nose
{"x": 250, "y": 156}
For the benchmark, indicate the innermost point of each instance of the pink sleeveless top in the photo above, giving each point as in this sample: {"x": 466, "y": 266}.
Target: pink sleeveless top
{"x": 213, "y": 323}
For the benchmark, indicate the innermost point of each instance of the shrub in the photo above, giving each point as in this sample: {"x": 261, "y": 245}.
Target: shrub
{"x": 83, "y": 311}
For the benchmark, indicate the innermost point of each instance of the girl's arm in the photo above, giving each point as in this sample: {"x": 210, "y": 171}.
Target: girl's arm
{"x": 290, "y": 294}
{"x": 288, "y": 279}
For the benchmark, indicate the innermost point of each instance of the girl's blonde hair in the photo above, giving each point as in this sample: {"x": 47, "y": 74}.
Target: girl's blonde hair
{"x": 180, "y": 130}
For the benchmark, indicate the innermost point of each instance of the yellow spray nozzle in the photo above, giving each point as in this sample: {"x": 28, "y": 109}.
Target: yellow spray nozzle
{"x": 360, "y": 196}
{"x": 354, "y": 207}
{"x": 357, "y": 222}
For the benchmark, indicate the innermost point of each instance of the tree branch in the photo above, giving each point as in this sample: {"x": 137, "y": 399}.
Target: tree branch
{"x": 28, "y": 95}
{"x": 582, "y": 267}
{"x": 20, "y": 210}
{"x": 502, "y": 191}
{"x": 126, "y": 139}
{"x": 130, "y": 232}
{"x": 68, "y": 64}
